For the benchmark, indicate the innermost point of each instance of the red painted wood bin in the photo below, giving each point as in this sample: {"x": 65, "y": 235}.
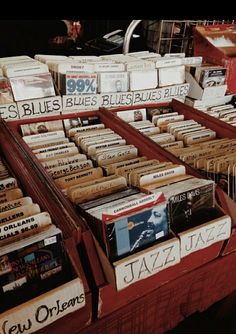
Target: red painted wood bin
{"x": 205, "y": 40}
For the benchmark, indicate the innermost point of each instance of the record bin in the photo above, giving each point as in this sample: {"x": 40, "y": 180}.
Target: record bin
{"x": 34, "y": 187}
{"x": 222, "y": 129}
{"x": 108, "y": 299}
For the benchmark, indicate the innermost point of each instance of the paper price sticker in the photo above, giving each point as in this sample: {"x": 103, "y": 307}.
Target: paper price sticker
{"x": 81, "y": 84}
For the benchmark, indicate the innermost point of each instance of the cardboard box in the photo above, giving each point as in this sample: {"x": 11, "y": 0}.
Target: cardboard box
{"x": 199, "y": 93}
{"x": 210, "y": 102}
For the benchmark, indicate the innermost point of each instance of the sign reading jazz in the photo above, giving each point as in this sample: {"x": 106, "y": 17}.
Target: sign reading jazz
{"x": 39, "y": 313}
{"x": 205, "y": 235}
{"x": 146, "y": 263}
{"x": 48, "y": 106}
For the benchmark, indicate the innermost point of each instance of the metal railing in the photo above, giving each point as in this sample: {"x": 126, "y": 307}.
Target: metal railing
{"x": 168, "y": 36}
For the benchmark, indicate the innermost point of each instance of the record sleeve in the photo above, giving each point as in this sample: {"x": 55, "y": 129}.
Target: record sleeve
{"x": 32, "y": 86}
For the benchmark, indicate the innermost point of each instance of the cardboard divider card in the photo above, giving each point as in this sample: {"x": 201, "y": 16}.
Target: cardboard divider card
{"x": 48, "y": 106}
{"x": 57, "y": 172}
{"x": 146, "y": 263}
{"x": 205, "y": 235}
{"x": 111, "y": 169}
{"x": 48, "y": 143}
{"x": 72, "y": 103}
{"x": 44, "y": 136}
{"x": 72, "y": 180}
{"x": 9, "y": 112}
{"x": 64, "y": 161}
{"x": 74, "y": 130}
{"x": 86, "y": 143}
{"x": 10, "y": 195}
{"x": 53, "y": 148}
{"x": 97, "y": 188}
{"x": 15, "y": 203}
{"x": 127, "y": 152}
{"x": 78, "y": 137}
{"x": 24, "y": 227}
{"x": 21, "y": 212}
{"x": 60, "y": 153}
{"x": 7, "y": 184}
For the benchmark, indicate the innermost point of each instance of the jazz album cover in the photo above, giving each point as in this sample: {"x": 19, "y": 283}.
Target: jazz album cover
{"x": 135, "y": 231}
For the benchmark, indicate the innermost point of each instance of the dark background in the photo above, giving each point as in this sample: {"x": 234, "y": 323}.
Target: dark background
{"x": 29, "y": 37}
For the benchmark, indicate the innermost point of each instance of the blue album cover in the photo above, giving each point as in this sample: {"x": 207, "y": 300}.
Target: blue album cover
{"x": 128, "y": 234}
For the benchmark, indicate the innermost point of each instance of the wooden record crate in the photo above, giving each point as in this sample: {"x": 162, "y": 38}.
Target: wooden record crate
{"x": 71, "y": 318}
{"x": 222, "y": 130}
{"x": 109, "y": 299}
{"x": 163, "y": 308}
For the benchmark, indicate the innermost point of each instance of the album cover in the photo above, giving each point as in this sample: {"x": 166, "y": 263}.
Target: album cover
{"x": 31, "y": 267}
{"x": 128, "y": 224}
{"x": 5, "y": 91}
{"x": 201, "y": 216}
{"x": 32, "y": 86}
{"x": 132, "y": 232}
{"x": 186, "y": 202}
{"x": 210, "y": 77}
{"x": 106, "y": 199}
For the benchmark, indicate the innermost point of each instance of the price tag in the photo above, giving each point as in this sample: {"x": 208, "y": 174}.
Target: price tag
{"x": 80, "y": 83}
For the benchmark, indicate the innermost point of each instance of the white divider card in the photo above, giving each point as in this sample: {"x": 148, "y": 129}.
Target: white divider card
{"x": 147, "y": 96}
{"x": 9, "y": 112}
{"x": 48, "y": 106}
{"x": 146, "y": 263}
{"x": 40, "y": 312}
{"x": 205, "y": 235}
{"x": 72, "y": 103}
{"x": 117, "y": 99}
{"x": 165, "y": 94}
{"x": 123, "y": 99}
